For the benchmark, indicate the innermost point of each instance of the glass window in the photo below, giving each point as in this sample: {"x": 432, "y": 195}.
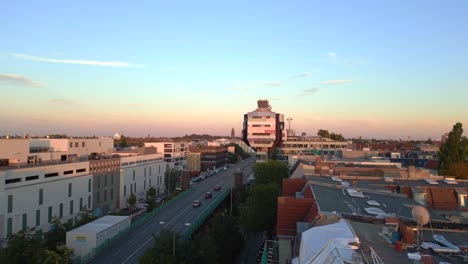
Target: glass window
{"x": 83, "y": 144}
{"x": 71, "y": 207}
{"x": 89, "y": 201}
{"x": 98, "y": 197}
{"x": 133, "y": 174}
{"x": 105, "y": 195}
{"x": 10, "y": 226}
{"x": 69, "y": 189}
{"x": 125, "y": 190}
{"x": 89, "y": 185}
{"x": 76, "y": 144}
{"x": 25, "y": 221}
{"x": 98, "y": 181}
{"x": 10, "y": 203}
{"x": 71, "y": 144}
{"x": 420, "y": 198}
{"x": 61, "y": 210}
{"x": 81, "y": 204}
{"x": 105, "y": 180}
{"x": 38, "y": 217}
{"x": 49, "y": 218}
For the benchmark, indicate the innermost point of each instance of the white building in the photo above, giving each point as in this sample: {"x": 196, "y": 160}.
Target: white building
{"x": 86, "y": 238}
{"x": 30, "y": 197}
{"x": 263, "y": 129}
{"x": 27, "y": 151}
{"x": 138, "y": 174}
{"x": 175, "y": 153}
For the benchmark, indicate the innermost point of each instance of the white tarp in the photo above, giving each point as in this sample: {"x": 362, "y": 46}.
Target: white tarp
{"x": 326, "y": 240}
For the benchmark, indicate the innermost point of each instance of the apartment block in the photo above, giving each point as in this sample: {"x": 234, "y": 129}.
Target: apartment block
{"x": 174, "y": 153}
{"x": 31, "y": 197}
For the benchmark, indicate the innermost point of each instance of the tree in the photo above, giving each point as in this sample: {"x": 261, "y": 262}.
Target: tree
{"x": 337, "y": 137}
{"x": 259, "y": 212}
{"x": 323, "y": 133}
{"x": 171, "y": 177}
{"x": 274, "y": 154}
{"x": 303, "y": 134}
{"x": 62, "y": 255}
{"x": 123, "y": 142}
{"x": 226, "y": 238}
{"x": 24, "y": 248}
{"x": 270, "y": 171}
{"x": 453, "y": 151}
{"x": 151, "y": 193}
{"x": 56, "y": 236}
{"x": 429, "y": 141}
{"x": 132, "y": 200}
{"x": 162, "y": 251}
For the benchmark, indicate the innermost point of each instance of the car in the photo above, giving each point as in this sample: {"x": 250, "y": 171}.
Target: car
{"x": 160, "y": 199}
{"x": 208, "y": 195}
{"x": 196, "y": 203}
{"x": 217, "y": 188}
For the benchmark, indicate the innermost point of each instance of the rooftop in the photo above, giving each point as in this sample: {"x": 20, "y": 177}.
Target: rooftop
{"x": 100, "y": 224}
{"x": 338, "y": 199}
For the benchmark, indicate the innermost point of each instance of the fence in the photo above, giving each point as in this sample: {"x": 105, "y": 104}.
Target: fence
{"x": 207, "y": 212}
{"x": 94, "y": 252}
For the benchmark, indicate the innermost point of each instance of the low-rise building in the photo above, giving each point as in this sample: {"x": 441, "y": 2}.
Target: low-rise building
{"x": 207, "y": 158}
{"x": 30, "y": 197}
{"x": 174, "y": 153}
{"x": 138, "y": 174}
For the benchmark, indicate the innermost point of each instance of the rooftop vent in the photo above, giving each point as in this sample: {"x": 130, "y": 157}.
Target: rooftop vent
{"x": 373, "y": 202}
{"x": 388, "y": 179}
{"x": 355, "y": 193}
{"x": 450, "y": 181}
{"x": 430, "y": 181}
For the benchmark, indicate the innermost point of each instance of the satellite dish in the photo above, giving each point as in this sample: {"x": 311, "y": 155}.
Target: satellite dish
{"x": 420, "y": 215}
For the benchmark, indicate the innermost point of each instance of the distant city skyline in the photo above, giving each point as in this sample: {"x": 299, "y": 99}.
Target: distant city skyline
{"x": 387, "y": 69}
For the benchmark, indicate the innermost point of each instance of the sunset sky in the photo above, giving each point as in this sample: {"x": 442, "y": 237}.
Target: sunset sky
{"x": 380, "y": 69}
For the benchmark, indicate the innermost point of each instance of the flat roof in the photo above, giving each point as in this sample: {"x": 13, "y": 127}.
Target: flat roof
{"x": 15, "y": 166}
{"x": 422, "y": 182}
{"x": 335, "y": 199}
{"x": 100, "y": 224}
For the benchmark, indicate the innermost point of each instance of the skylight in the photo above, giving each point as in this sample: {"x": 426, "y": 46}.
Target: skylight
{"x": 373, "y": 202}
{"x": 337, "y": 179}
{"x": 430, "y": 181}
{"x": 355, "y": 193}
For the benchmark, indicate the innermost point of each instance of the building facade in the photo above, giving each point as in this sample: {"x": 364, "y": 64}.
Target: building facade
{"x": 138, "y": 174}
{"x": 263, "y": 129}
{"x": 207, "y": 158}
{"x": 31, "y": 197}
{"x": 174, "y": 153}
{"x": 106, "y": 185}
{"x": 194, "y": 161}
{"x": 319, "y": 145}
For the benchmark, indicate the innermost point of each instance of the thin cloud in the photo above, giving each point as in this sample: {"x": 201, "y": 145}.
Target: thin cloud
{"x": 332, "y": 56}
{"x": 337, "y": 81}
{"x": 80, "y": 62}
{"x": 274, "y": 84}
{"x": 14, "y": 79}
{"x": 300, "y": 75}
{"x": 308, "y": 92}
{"x": 62, "y": 101}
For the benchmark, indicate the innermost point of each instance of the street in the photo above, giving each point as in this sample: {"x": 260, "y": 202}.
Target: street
{"x": 176, "y": 217}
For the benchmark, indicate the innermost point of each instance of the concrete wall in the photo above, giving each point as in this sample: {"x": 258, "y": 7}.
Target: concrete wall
{"x": 149, "y": 171}
{"x": 14, "y": 149}
{"x": 25, "y": 195}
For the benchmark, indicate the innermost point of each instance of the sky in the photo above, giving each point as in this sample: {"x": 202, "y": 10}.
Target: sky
{"x": 376, "y": 69}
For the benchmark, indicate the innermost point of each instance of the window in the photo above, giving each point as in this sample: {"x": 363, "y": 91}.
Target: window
{"x": 144, "y": 184}
{"x": 125, "y": 190}
{"x": 71, "y": 144}
{"x": 89, "y": 185}
{"x": 112, "y": 195}
{"x": 25, "y": 221}
{"x": 83, "y": 144}
{"x": 81, "y": 204}
{"x": 99, "y": 181}
{"x": 71, "y": 207}
{"x": 76, "y": 144}
{"x": 69, "y": 189}
{"x": 49, "y": 218}
{"x": 463, "y": 200}
{"x": 98, "y": 197}
{"x": 10, "y": 203}
{"x": 105, "y": 195}
{"x": 38, "y": 217}
{"x": 48, "y": 175}
{"x": 105, "y": 180}
{"x": 112, "y": 179}
{"x": 420, "y": 198}
{"x": 99, "y": 143}
{"x": 80, "y": 170}
{"x": 89, "y": 201}
{"x": 145, "y": 172}
{"x": 61, "y": 210}
{"x": 15, "y": 180}
{"x": 149, "y": 182}
{"x": 150, "y": 171}
{"x": 10, "y": 226}
{"x": 68, "y": 172}
{"x": 134, "y": 188}
{"x": 30, "y": 178}
{"x": 133, "y": 174}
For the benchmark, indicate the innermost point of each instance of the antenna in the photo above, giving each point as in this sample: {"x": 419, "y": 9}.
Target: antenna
{"x": 422, "y": 217}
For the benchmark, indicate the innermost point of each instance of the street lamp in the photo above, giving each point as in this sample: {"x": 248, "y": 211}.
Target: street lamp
{"x": 173, "y": 236}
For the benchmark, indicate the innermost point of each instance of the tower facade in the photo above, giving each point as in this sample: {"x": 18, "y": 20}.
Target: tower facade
{"x": 263, "y": 129}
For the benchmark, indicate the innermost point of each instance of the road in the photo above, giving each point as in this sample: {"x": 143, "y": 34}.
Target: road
{"x": 174, "y": 217}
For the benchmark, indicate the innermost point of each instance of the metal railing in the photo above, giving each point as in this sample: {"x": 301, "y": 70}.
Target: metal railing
{"x": 94, "y": 252}
{"x": 207, "y": 212}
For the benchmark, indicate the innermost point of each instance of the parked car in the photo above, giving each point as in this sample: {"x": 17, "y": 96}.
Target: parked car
{"x": 160, "y": 199}
{"x": 196, "y": 203}
{"x": 217, "y": 188}
{"x": 208, "y": 195}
